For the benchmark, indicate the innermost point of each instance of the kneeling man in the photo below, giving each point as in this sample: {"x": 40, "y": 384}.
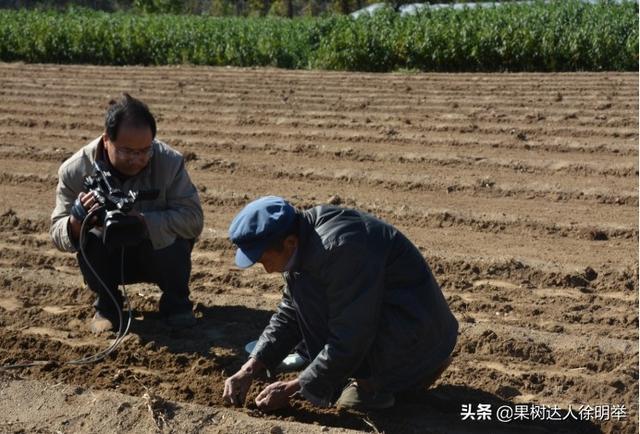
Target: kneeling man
{"x": 360, "y": 304}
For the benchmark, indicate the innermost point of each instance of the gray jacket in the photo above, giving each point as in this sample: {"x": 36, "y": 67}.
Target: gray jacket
{"x": 362, "y": 298}
{"x": 175, "y": 213}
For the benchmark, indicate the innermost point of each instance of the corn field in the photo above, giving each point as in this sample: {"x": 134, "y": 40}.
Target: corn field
{"x": 556, "y": 36}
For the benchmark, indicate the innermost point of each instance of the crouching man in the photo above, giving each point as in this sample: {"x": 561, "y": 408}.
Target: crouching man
{"x": 158, "y": 249}
{"x": 360, "y": 304}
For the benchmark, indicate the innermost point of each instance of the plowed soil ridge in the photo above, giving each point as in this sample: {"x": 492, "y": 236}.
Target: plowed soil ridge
{"x": 521, "y": 190}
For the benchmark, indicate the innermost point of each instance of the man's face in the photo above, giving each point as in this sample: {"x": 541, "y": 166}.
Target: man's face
{"x": 275, "y": 261}
{"x": 131, "y": 151}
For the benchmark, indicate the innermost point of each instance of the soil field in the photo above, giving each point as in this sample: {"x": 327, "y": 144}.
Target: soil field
{"x": 521, "y": 190}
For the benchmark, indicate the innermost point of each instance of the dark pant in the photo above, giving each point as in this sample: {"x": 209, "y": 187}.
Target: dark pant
{"x": 169, "y": 268}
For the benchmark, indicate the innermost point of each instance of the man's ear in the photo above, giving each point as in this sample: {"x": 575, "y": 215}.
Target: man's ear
{"x": 105, "y": 137}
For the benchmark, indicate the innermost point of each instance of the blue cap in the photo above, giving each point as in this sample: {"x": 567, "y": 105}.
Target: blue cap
{"x": 257, "y": 225}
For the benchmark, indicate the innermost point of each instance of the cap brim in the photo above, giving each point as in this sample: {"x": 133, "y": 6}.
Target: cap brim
{"x": 245, "y": 259}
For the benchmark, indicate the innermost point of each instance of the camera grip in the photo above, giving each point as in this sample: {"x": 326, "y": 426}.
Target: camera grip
{"x": 78, "y": 211}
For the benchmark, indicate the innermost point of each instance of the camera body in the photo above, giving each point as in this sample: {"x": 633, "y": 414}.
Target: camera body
{"x": 119, "y": 229}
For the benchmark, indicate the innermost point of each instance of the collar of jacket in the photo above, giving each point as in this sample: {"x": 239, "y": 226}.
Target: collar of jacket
{"x": 308, "y": 241}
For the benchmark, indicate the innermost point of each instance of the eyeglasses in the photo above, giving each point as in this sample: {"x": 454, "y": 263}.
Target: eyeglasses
{"x": 130, "y": 154}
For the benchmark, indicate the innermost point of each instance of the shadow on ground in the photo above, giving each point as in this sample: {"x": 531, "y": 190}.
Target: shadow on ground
{"x": 225, "y": 330}
{"x": 437, "y": 410}
{"x": 226, "y": 327}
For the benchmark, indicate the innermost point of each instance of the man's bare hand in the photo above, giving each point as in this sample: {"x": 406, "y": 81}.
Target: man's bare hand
{"x": 276, "y": 395}
{"x": 90, "y": 204}
{"x": 237, "y": 386}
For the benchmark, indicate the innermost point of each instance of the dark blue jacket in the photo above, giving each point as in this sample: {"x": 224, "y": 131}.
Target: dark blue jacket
{"x": 362, "y": 298}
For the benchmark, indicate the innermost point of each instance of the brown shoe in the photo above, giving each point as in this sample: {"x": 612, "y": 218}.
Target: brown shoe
{"x": 100, "y": 323}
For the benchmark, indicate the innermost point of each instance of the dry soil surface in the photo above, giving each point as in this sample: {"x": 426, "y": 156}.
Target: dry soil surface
{"x": 521, "y": 190}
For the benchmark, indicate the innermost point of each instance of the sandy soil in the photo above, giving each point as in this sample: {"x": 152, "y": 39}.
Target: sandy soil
{"x": 521, "y": 190}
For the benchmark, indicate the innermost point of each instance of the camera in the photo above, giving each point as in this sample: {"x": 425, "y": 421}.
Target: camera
{"x": 118, "y": 228}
